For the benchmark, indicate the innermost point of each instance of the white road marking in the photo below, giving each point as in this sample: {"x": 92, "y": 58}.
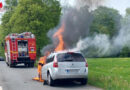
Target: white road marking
{"x": 1, "y": 88}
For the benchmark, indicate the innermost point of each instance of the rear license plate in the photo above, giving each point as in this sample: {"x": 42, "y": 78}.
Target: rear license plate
{"x": 72, "y": 70}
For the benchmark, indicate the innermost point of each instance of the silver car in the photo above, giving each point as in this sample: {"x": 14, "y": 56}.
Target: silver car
{"x": 65, "y": 66}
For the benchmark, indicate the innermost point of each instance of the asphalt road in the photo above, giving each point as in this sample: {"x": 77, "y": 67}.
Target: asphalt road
{"x": 20, "y": 78}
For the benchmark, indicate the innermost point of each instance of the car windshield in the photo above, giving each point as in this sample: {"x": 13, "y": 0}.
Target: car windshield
{"x": 75, "y": 57}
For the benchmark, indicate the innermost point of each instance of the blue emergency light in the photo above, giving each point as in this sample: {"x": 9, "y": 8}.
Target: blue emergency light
{"x": 22, "y": 36}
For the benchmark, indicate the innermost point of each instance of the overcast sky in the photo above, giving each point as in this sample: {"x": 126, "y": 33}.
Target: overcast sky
{"x": 120, "y": 5}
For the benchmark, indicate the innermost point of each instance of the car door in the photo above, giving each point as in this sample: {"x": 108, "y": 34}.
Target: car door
{"x": 44, "y": 70}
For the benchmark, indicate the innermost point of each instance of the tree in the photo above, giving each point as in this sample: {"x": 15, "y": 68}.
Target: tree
{"x": 11, "y": 4}
{"x": 125, "y": 52}
{"x": 106, "y": 21}
{"x": 34, "y": 16}
{"x": 127, "y": 11}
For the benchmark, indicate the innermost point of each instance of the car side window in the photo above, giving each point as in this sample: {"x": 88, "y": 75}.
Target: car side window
{"x": 50, "y": 59}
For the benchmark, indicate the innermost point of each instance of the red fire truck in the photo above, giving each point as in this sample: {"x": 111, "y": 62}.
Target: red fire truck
{"x": 20, "y": 48}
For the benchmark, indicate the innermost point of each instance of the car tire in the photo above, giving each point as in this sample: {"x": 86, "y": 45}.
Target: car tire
{"x": 45, "y": 82}
{"x": 50, "y": 81}
{"x": 84, "y": 81}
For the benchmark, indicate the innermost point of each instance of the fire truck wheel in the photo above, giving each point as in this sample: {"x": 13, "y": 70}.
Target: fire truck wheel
{"x": 12, "y": 64}
{"x": 7, "y": 63}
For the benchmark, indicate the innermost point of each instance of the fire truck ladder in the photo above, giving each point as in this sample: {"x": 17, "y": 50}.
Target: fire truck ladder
{"x": 14, "y": 50}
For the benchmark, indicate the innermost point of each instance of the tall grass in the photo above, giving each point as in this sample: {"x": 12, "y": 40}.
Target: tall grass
{"x": 110, "y": 73}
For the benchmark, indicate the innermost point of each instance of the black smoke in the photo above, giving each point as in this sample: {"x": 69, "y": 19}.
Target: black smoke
{"x": 77, "y": 23}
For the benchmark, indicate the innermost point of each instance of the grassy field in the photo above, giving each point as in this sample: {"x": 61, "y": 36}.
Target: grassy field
{"x": 110, "y": 73}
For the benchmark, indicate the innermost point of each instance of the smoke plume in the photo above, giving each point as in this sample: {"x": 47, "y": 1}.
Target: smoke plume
{"x": 100, "y": 45}
{"x": 92, "y": 4}
{"x": 77, "y": 21}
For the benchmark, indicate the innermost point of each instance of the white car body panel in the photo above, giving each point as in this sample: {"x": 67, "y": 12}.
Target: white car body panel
{"x": 65, "y": 70}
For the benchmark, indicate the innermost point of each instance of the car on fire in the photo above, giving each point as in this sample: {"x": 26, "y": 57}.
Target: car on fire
{"x": 65, "y": 66}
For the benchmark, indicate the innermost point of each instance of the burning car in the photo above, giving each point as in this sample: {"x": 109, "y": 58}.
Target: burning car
{"x": 65, "y": 66}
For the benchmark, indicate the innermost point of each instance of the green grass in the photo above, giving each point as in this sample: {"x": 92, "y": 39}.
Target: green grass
{"x": 110, "y": 73}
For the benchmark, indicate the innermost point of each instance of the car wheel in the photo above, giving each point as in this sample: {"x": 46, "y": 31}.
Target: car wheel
{"x": 45, "y": 82}
{"x": 84, "y": 81}
{"x": 50, "y": 81}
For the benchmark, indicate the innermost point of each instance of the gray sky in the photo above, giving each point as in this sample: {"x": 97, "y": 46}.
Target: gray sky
{"x": 120, "y": 5}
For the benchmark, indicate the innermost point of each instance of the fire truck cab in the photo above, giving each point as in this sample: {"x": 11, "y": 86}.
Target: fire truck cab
{"x": 20, "y": 48}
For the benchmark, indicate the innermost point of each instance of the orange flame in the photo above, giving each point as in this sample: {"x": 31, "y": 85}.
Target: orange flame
{"x": 59, "y": 47}
{"x": 59, "y": 35}
{"x": 41, "y": 62}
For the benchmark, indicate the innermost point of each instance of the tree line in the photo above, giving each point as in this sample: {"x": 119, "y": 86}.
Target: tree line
{"x": 39, "y": 16}
{"x": 36, "y": 16}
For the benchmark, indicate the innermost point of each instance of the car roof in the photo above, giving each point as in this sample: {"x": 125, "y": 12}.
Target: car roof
{"x": 60, "y": 52}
